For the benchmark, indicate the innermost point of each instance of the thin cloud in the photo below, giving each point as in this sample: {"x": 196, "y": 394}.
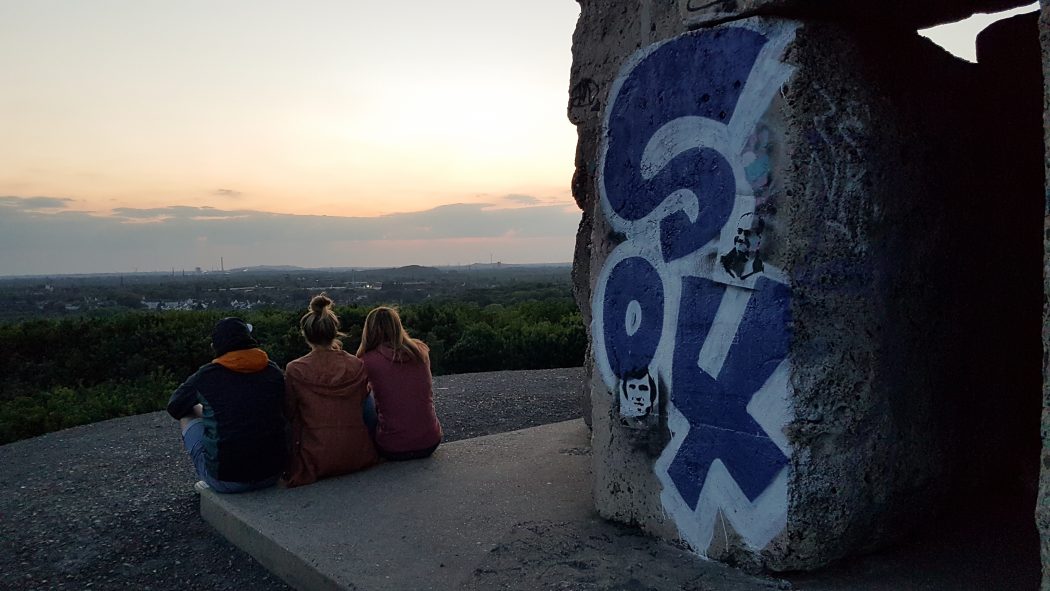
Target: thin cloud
{"x": 35, "y": 203}
{"x": 178, "y": 212}
{"x": 230, "y": 193}
{"x": 522, "y": 199}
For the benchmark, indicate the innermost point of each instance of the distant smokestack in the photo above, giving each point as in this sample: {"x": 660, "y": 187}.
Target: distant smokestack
{"x": 222, "y": 266}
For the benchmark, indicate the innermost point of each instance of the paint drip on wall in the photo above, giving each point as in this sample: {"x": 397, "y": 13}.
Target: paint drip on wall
{"x": 689, "y": 303}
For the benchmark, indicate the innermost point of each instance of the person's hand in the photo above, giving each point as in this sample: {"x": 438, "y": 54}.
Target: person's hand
{"x": 198, "y": 411}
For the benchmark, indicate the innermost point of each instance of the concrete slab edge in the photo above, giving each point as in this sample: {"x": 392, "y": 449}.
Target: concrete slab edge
{"x": 292, "y": 569}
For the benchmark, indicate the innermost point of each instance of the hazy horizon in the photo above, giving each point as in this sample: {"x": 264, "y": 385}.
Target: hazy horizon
{"x": 266, "y": 268}
{"x": 441, "y": 236}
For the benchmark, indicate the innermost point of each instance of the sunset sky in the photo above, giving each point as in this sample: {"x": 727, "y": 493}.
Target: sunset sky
{"x": 155, "y": 134}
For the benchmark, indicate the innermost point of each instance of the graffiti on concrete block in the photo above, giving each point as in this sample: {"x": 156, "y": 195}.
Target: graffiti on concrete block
{"x": 696, "y": 5}
{"x": 699, "y": 12}
{"x": 688, "y": 300}
{"x": 639, "y": 396}
{"x": 744, "y": 258}
{"x": 583, "y": 99}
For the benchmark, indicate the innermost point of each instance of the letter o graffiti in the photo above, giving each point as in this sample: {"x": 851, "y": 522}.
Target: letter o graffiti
{"x": 632, "y": 316}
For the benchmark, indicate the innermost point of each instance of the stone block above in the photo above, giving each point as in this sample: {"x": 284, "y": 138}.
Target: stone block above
{"x": 908, "y": 14}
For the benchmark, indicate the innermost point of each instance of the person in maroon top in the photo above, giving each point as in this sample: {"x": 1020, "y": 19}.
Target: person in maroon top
{"x": 399, "y": 377}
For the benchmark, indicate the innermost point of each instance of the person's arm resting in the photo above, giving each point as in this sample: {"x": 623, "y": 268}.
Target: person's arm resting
{"x": 181, "y": 403}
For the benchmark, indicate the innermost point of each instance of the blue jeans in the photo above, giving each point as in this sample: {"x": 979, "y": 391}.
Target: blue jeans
{"x": 193, "y": 440}
{"x": 368, "y": 412}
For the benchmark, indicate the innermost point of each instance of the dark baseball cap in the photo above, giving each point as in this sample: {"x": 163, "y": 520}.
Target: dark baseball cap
{"x": 232, "y": 334}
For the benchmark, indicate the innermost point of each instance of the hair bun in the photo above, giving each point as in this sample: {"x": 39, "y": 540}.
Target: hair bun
{"x": 320, "y": 303}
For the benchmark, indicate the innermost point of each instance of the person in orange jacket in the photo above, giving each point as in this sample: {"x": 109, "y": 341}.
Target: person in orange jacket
{"x": 326, "y": 392}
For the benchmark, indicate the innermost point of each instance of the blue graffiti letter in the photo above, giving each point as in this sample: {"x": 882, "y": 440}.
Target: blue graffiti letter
{"x": 633, "y": 315}
{"x": 698, "y": 75}
{"x": 716, "y": 406}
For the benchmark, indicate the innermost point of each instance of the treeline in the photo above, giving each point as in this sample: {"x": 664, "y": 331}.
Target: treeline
{"x": 59, "y": 373}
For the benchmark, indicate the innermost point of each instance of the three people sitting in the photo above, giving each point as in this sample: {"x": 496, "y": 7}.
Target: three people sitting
{"x": 245, "y": 424}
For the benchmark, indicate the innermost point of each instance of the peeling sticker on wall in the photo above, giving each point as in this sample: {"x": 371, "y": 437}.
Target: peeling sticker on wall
{"x": 689, "y": 300}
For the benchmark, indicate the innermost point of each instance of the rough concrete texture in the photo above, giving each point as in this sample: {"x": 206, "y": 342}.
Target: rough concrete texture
{"x": 787, "y": 295}
{"x": 892, "y": 367}
{"x": 903, "y": 14}
{"x": 606, "y": 33}
{"x": 1042, "y": 513}
{"x": 507, "y": 511}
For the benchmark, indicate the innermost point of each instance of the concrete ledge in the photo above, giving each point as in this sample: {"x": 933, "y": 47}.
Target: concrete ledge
{"x": 507, "y": 511}
{"x": 411, "y": 525}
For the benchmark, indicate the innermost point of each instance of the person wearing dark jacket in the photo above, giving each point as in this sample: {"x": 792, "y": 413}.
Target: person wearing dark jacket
{"x": 231, "y": 413}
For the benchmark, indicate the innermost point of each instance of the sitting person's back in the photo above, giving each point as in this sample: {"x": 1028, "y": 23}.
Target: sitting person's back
{"x": 325, "y": 392}
{"x": 399, "y": 376}
{"x": 231, "y": 413}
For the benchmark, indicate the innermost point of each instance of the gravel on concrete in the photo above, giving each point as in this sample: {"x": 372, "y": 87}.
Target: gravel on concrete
{"x": 111, "y": 505}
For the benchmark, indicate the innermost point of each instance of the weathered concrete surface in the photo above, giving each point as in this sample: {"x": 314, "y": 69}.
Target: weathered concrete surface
{"x": 856, "y": 375}
{"x": 1042, "y": 513}
{"x": 607, "y": 32}
{"x": 507, "y": 511}
{"x": 906, "y": 14}
{"x": 866, "y": 236}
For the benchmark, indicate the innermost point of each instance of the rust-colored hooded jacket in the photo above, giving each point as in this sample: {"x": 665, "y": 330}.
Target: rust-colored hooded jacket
{"x": 324, "y": 391}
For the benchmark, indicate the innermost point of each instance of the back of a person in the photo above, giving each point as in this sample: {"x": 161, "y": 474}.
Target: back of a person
{"x": 399, "y": 376}
{"x": 325, "y": 393}
{"x": 403, "y": 390}
{"x": 243, "y": 422}
{"x": 230, "y": 412}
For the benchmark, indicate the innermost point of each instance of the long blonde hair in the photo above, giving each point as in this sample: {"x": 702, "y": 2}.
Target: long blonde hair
{"x": 383, "y": 327}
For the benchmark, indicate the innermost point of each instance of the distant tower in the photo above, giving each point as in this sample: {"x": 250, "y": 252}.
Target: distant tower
{"x": 222, "y": 265}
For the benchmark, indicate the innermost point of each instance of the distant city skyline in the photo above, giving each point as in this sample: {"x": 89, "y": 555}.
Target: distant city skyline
{"x": 153, "y": 135}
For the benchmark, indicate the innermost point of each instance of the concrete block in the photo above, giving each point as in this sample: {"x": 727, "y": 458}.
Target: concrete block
{"x": 774, "y": 301}
{"x": 906, "y": 14}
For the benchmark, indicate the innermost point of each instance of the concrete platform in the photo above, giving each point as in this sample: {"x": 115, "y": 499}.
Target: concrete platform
{"x": 506, "y": 511}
